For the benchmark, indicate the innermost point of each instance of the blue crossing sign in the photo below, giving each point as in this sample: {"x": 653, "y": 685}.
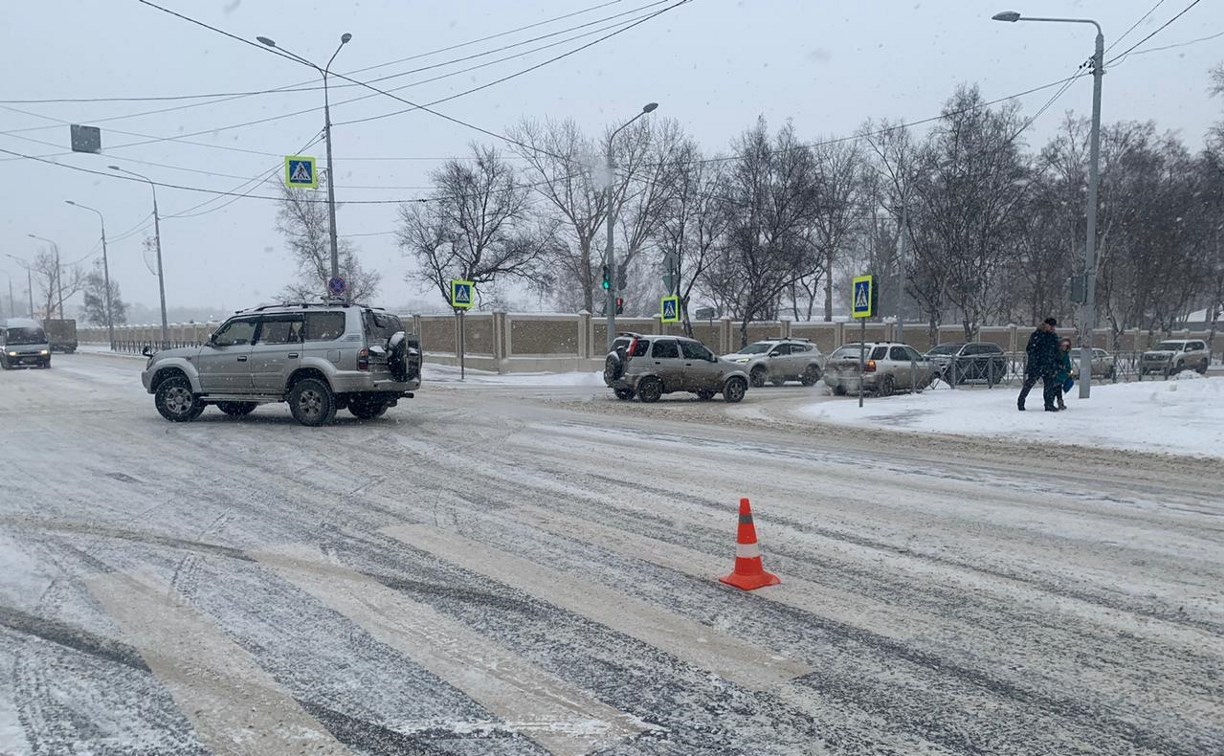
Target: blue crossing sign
{"x": 669, "y": 308}
{"x": 863, "y": 301}
{"x": 300, "y": 172}
{"x": 461, "y": 294}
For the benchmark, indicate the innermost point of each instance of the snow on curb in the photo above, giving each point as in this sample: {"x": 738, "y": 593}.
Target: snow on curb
{"x": 1181, "y": 416}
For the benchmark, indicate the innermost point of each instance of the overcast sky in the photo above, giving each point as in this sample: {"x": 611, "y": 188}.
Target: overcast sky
{"x": 714, "y": 65}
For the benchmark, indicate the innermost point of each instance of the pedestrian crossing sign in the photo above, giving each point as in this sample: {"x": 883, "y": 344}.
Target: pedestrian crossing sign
{"x": 461, "y": 295}
{"x": 300, "y": 172}
{"x": 863, "y": 301}
{"x": 669, "y": 307}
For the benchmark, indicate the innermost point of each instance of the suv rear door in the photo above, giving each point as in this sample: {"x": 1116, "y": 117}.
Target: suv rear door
{"x": 666, "y": 363}
{"x": 903, "y": 375}
{"x": 277, "y": 352}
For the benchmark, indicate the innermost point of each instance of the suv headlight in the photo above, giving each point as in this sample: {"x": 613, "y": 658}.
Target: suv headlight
{"x": 45, "y": 353}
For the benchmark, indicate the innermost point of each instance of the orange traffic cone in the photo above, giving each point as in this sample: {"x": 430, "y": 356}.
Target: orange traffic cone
{"x": 749, "y": 574}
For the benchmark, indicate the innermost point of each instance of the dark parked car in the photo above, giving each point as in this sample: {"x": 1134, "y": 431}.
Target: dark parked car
{"x": 959, "y": 362}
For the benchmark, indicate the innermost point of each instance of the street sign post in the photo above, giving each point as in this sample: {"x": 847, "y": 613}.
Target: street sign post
{"x": 862, "y": 306}
{"x": 462, "y": 300}
{"x": 669, "y": 309}
{"x": 300, "y": 172}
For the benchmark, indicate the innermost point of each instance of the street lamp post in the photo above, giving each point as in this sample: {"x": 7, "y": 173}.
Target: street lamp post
{"x": 29, "y": 282}
{"x": 609, "y": 257}
{"x": 161, "y": 279}
{"x": 327, "y": 134}
{"x": 12, "y": 303}
{"x": 1088, "y": 308}
{"x": 110, "y": 318}
{"x": 59, "y": 283}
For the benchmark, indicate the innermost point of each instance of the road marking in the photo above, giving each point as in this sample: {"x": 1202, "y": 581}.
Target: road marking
{"x": 697, "y": 644}
{"x": 233, "y": 704}
{"x": 562, "y": 718}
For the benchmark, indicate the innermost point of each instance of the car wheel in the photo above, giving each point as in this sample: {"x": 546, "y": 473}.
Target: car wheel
{"x": 236, "y": 409}
{"x": 367, "y": 410}
{"x": 650, "y": 390}
{"x": 175, "y": 401}
{"x": 758, "y": 377}
{"x": 811, "y": 376}
{"x": 839, "y": 390}
{"x": 1112, "y": 374}
{"x": 1203, "y": 367}
{"x": 312, "y": 402}
{"x": 613, "y": 369}
{"x": 887, "y": 386}
{"x": 734, "y": 390}
{"x": 624, "y": 394}
{"x": 705, "y": 395}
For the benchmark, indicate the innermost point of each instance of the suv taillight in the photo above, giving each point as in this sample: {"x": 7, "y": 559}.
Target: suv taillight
{"x": 632, "y": 347}
{"x": 871, "y": 366}
{"x": 363, "y": 359}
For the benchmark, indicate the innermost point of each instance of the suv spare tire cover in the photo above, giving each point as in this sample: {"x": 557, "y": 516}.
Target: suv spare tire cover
{"x": 614, "y": 367}
{"x": 397, "y": 357}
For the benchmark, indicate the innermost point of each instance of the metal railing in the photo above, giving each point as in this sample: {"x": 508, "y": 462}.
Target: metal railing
{"x": 1009, "y": 368}
{"x": 136, "y": 346}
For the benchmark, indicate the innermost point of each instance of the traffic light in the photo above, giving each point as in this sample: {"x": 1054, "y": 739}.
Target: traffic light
{"x": 620, "y": 305}
{"x": 607, "y": 278}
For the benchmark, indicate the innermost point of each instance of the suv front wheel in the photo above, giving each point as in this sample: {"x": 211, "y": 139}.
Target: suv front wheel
{"x": 734, "y": 390}
{"x": 312, "y": 402}
{"x": 175, "y": 401}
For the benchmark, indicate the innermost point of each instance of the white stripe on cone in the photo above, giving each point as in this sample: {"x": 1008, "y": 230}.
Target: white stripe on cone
{"x": 747, "y": 551}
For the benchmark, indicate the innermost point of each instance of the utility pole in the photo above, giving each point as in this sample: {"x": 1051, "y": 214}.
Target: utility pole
{"x": 161, "y": 278}
{"x": 609, "y": 257}
{"x": 110, "y": 317}
{"x": 901, "y": 272}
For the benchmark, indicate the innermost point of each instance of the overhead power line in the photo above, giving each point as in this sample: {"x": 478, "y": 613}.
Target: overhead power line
{"x": 1135, "y": 25}
{"x": 1158, "y": 30}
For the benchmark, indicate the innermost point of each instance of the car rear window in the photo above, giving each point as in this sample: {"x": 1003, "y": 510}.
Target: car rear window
{"x": 380, "y": 326}
{"x": 324, "y": 326}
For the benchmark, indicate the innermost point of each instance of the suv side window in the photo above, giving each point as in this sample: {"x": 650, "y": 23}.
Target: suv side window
{"x": 641, "y": 348}
{"x": 694, "y": 351}
{"x": 1198, "y": 346}
{"x": 878, "y": 353}
{"x": 324, "y": 326}
{"x": 898, "y": 353}
{"x": 913, "y": 355}
{"x": 666, "y": 349}
{"x": 781, "y": 350}
{"x": 236, "y": 332}
{"x": 281, "y": 329}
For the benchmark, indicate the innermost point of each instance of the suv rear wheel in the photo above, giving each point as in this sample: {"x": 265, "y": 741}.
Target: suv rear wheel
{"x": 312, "y": 402}
{"x": 175, "y": 401}
{"x": 758, "y": 377}
{"x": 811, "y": 376}
{"x": 734, "y": 390}
{"x": 887, "y": 386}
{"x": 650, "y": 390}
{"x": 1203, "y": 366}
{"x": 624, "y": 394}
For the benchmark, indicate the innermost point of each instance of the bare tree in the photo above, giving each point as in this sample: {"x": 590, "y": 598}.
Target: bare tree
{"x": 694, "y": 223}
{"x": 94, "y": 309}
{"x": 55, "y": 283}
{"x": 303, "y": 220}
{"x": 772, "y": 191}
{"x": 475, "y": 226}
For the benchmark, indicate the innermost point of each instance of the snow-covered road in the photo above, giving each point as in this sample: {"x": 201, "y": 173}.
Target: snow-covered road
{"x": 496, "y": 569}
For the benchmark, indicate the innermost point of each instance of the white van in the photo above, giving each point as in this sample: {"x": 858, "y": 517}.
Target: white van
{"x": 23, "y": 342}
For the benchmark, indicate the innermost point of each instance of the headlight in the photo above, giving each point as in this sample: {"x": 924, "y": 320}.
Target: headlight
{"x": 44, "y": 353}
{"x": 12, "y": 354}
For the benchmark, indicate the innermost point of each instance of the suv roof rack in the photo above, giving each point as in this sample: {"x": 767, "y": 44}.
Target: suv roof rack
{"x": 330, "y": 303}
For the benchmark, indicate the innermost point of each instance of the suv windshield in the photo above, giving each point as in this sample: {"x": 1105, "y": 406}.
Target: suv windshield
{"x": 26, "y": 336}
{"x": 760, "y": 347}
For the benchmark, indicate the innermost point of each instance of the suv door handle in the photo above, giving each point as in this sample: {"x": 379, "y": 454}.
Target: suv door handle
{"x": 242, "y": 358}
{"x": 293, "y": 355}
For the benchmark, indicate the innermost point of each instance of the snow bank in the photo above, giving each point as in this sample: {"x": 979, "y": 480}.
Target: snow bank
{"x": 1183, "y": 416}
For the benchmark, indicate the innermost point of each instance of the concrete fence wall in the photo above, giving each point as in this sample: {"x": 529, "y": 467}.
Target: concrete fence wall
{"x": 530, "y": 342}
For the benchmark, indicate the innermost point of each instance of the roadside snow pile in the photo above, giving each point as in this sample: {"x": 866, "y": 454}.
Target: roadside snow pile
{"x": 1183, "y": 416}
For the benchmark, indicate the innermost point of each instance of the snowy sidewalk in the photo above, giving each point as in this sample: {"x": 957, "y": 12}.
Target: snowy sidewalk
{"x": 1183, "y": 416}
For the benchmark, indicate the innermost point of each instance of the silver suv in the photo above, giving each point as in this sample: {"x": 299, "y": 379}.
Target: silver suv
{"x": 317, "y": 357}
{"x": 779, "y": 361}
{"x": 889, "y": 367}
{"x": 650, "y": 366}
{"x": 1171, "y": 357}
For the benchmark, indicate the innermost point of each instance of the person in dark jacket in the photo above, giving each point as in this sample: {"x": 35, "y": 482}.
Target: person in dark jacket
{"x": 1042, "y": 363}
